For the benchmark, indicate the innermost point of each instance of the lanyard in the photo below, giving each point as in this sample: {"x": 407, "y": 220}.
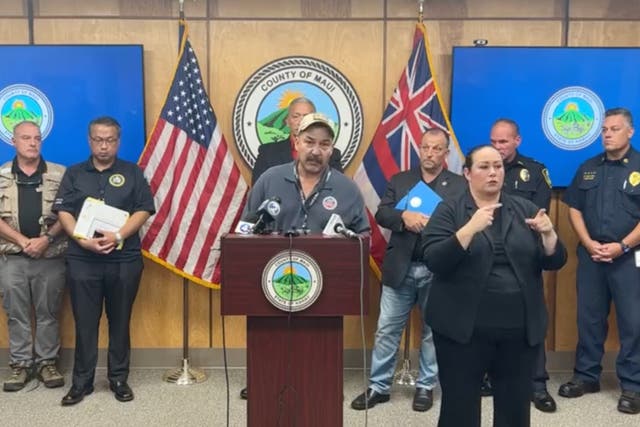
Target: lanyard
{"x": 307, "y": 203}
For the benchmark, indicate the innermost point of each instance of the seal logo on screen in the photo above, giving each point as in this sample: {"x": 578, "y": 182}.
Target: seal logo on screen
{"x": 20, "y": 102}
{"x": 261, "y": 106}
{"x": 292, "y": 281}
{"x": 572, "y": 118}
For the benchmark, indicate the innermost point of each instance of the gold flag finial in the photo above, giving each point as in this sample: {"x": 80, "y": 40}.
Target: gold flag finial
{"x": 420, "y": 10}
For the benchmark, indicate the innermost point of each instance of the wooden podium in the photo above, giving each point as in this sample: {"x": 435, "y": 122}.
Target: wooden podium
{"x": 294, "y": 360}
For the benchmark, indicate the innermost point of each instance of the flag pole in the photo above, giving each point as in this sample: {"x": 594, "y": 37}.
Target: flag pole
{"x": 405, "y": 375}
{"x": 185, "y": 374}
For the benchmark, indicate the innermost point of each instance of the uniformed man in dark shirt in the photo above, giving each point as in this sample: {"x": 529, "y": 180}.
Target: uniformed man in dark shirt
{"x": 523, "y": 176}
{"x": 527, "y": 178}
{"x": 604, "y": 210}
{"x": 108, "y": 266}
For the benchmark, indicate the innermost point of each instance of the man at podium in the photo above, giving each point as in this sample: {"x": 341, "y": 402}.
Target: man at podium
{"x": 301, "y": 196}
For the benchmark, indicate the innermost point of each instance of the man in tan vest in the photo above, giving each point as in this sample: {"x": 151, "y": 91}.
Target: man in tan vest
{"x": 31, "y": 265}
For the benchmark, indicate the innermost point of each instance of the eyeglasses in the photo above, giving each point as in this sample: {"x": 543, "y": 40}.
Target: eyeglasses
{"x": 100, "y": 141}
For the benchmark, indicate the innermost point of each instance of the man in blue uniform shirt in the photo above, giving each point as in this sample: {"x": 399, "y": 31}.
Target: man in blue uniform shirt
{"x": 604, "y": 210}
{"x": 107, "y": 267}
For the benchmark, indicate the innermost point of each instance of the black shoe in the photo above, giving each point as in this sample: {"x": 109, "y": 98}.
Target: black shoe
{"x": 629, "y": 402}
{"x": 543, "y": 401}
{"x": 576, "y": 388}
{"x": 243, "y": 393}
{"x": 369, "y": 400}
{"x": 422, "y": 400}
{"x": 485, "y": 387}
{"x": 76, "y": 394}
{"x": 121, "y": 390}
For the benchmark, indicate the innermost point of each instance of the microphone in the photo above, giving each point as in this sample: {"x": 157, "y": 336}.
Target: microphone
{"x": 340, "y": 228}
{"x": 245, "y": 226}
{"x": 336, "y": 227}
{"x": 266, "y": 213}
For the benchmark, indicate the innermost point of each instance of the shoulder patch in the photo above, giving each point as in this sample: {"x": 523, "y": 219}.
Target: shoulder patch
{"x": 547, "y": 178}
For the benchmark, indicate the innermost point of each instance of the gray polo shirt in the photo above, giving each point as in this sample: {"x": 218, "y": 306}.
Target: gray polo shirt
{"x": 335, "y": 193}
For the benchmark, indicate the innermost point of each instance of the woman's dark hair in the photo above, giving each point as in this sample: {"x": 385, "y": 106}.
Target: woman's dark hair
{"x": 468, "y": 159}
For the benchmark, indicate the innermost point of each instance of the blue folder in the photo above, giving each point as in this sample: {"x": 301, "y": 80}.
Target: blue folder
{"x": 421, "y": 198}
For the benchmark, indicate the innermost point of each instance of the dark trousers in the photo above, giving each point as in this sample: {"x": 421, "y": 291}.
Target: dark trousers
{"x": 598, "y": 283}
{"x": 540, "y": 375}
{"x": 506, "y": 356}
{"x": 91, "y": 283}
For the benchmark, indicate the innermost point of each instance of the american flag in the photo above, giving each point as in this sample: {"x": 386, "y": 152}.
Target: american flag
{"x": 414, "y": 107}
{"x": 198, "y": 189}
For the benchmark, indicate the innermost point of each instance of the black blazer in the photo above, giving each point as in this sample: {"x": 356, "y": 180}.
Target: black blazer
{"x": 460, "y": 275}
{"x": 401, "y": 245}
{"x": 279, "y": 153}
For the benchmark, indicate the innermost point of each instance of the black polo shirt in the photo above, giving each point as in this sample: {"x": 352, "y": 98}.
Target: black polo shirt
{"x": 29, "y": 198}
{"x": 122, "y": 186}
{"x": 607, "y": 193}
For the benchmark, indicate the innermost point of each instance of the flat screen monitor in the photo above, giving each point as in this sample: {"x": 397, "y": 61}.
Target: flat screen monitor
{"x": 62, "y": 88}
{"x": 557, "y": 96}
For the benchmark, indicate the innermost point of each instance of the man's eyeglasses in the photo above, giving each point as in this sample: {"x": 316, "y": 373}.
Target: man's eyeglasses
{"x": 100, "y": 141}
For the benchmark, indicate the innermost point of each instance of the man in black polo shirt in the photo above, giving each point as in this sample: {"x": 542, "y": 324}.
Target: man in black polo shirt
{"x": 31, "y": 265}
{"x": 107, "y": 266}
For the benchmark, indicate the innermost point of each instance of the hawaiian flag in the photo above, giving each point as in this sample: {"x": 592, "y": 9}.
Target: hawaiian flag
{"x": 414, "y": 107}
{"x": 197, "y": 186}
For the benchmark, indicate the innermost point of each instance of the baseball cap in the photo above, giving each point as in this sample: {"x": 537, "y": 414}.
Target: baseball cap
{"x": 316, "y": 119}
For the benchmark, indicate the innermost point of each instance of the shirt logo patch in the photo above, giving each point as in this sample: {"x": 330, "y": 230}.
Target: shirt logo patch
{"x": 547, "y": 178}
{"x": 329, "y": 203}
{"x": 634, "y": 178}
{"x": 589, "y": 176}
{"x": 116, "y": 180}
{"x": 524, "y": 175}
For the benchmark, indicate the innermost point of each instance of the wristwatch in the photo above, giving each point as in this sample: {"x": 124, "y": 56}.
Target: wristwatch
{"x": 50, "y": 238}
{"x": 625, "y": 247}
{"x": 118, "y": 238}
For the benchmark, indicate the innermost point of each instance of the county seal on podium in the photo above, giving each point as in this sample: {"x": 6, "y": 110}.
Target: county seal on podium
{"x": 292, "y": 281}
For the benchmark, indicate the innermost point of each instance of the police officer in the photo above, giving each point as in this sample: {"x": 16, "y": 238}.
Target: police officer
{"x": 527, "y": 178}
{"x": 31, "y": 262}
{"x": 604, "y": 210}
{"x": 108, "y": 266}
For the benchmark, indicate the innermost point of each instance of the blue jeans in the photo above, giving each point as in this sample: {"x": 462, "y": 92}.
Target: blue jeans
{"x": 395, "y": 308}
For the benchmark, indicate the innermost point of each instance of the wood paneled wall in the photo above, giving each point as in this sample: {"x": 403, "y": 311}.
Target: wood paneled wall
{"x": 368, "y": 40}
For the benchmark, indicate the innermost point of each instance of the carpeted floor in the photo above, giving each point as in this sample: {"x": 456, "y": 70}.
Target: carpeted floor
{"x": 158, "y": 403}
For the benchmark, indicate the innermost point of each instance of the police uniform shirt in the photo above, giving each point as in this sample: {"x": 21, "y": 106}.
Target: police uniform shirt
{"x": 29, "y": 198}
{"x": 122, "y": 186}
{"x": 607, "y": 193}
{"x": 525, "y": 177}
{"x": 335, "y": 193}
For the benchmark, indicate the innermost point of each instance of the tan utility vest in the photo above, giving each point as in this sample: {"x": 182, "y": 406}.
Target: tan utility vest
{"x": 9, "y": 207}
